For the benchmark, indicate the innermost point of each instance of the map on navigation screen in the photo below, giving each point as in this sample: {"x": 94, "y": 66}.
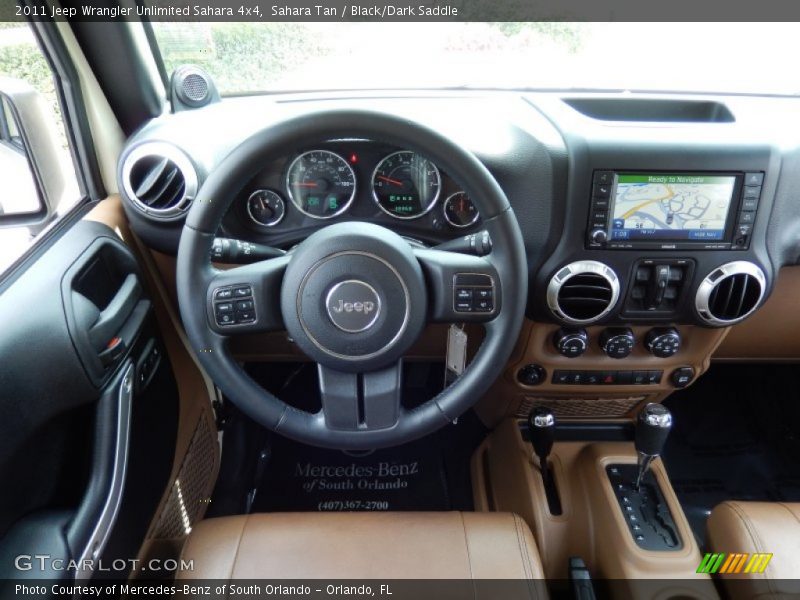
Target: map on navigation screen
{"x": 664, "y": 206}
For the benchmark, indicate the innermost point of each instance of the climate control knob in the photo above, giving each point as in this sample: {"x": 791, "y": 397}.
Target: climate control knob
{"x": 571, "y": 342}
{"x": 663, "y": 342}
{"x": 617, "y": 342}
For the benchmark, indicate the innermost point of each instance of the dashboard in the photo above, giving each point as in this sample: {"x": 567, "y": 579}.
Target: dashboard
{"x": 350, "y": 180}
{"x": 652, "y": 223}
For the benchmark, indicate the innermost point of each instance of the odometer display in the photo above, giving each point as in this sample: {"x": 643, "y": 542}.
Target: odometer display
{"x": 321, "y": 184}
{"x": 405, "y": 185}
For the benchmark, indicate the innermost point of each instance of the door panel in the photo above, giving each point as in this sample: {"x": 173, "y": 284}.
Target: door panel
{"x": 90, "y": 405}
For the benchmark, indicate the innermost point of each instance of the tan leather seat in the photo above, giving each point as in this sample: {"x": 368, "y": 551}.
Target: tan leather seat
{"x": 448, "y": 545}
{"x": 759, "y": 527}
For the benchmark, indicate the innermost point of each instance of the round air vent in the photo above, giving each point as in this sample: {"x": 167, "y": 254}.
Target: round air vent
{"x": 583, "y": 292}
{"x": 159, "y": 179}
{"x": 730, "y": 293}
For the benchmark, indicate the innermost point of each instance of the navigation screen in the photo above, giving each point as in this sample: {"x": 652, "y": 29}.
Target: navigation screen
{"x": 670, "y": 206}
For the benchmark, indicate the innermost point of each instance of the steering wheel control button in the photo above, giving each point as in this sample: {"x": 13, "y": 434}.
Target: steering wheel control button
{"x": 244, "y": 305}
{"x": 236, "y": 311}
{"x": 663, "y": 342}
{"x": 353, "y": 305}
{"x": 617, "y": 342}
{"x": 682, "y": 377}
{"x": 473, "y": 292}
{"x": 571, "y": 342}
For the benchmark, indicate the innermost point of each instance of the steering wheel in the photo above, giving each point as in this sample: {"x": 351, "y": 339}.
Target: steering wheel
{"x": 354, "y": 296}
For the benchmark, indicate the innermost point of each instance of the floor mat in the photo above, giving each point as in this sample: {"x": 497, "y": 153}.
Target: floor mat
{"x": 303, "y": 478}
{"x": 428, "y": 474}
{"x": 735, "y": 437}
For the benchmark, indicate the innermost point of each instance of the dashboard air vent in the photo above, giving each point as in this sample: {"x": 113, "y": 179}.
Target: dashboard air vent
{"x": 583, "y": 292}
{"x": 159, "y": 179}
{"x": 730, "y": 293}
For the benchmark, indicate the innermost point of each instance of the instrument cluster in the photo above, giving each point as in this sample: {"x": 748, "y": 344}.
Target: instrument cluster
{"x": 352, "y": 180}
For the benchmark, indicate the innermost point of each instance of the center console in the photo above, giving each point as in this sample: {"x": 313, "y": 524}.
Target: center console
{"x": 634, "y": 539}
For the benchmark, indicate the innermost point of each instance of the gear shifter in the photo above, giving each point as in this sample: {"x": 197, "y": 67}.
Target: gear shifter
{"x": 542, "y": 427}
{"x": 652, "y": 428}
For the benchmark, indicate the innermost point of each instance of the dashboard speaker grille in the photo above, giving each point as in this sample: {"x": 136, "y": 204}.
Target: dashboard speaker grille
{"x": 583, "y": 292}
{"x": 730, "y": 293}
{"x": 195, "y": 87}
{"x": 159, "y": 179}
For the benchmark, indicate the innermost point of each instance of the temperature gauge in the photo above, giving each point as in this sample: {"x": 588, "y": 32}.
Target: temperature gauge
{"x": 266, "y": 208}
{"x": 459, "y": 210}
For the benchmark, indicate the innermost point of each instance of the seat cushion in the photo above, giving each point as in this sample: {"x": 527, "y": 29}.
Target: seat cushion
{"x": 450, "y": 545}
{"x": 759, "y": 527}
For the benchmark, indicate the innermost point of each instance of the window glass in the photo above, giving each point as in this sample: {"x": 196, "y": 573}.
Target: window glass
{"x": 687, "y": 57}
{"x": 22, "y": 61}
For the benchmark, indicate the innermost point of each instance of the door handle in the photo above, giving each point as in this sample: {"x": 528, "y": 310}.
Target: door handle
{"x": 113, "y": 316}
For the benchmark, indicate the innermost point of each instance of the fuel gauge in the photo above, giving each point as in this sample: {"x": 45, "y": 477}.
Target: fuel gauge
{"x": 459, "y": 210}
{"x": 266, "y": 208}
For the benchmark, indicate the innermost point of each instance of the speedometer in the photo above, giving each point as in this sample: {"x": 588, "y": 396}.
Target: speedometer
{"x": 321, "y": 184}
{"x": 406, "y": 185}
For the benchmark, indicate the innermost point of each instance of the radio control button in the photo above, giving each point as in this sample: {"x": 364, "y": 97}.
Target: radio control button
{"x": 751, "y": 192}
{"x": 753, "y": 178}
{"x": 603, "y": 177}
{"x": 749, "y": 204}
{"x": 746, "y": 217}
{"x": 598, "y": 236}
{"x": 601, "y": 190}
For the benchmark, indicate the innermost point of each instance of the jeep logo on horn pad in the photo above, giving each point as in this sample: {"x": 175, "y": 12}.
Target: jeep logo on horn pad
{"x": 353, "y": 306}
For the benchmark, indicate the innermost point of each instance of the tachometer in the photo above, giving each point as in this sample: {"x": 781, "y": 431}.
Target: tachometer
{"x": 459, "y": 210}
{"x": 266, "y": 208}
{"x": 405, "y": 185}
{"x": 321, "y": 184}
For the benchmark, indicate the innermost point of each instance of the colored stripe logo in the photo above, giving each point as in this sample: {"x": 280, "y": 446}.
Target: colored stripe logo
{"x": 733, "y": 563}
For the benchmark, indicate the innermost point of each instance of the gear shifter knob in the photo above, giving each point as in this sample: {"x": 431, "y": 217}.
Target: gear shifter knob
{"x": 542, "y": 427}
{"x": 652, "y": 429}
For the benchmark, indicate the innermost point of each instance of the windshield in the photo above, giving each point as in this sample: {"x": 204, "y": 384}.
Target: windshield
{"x": 686, "y": 57}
